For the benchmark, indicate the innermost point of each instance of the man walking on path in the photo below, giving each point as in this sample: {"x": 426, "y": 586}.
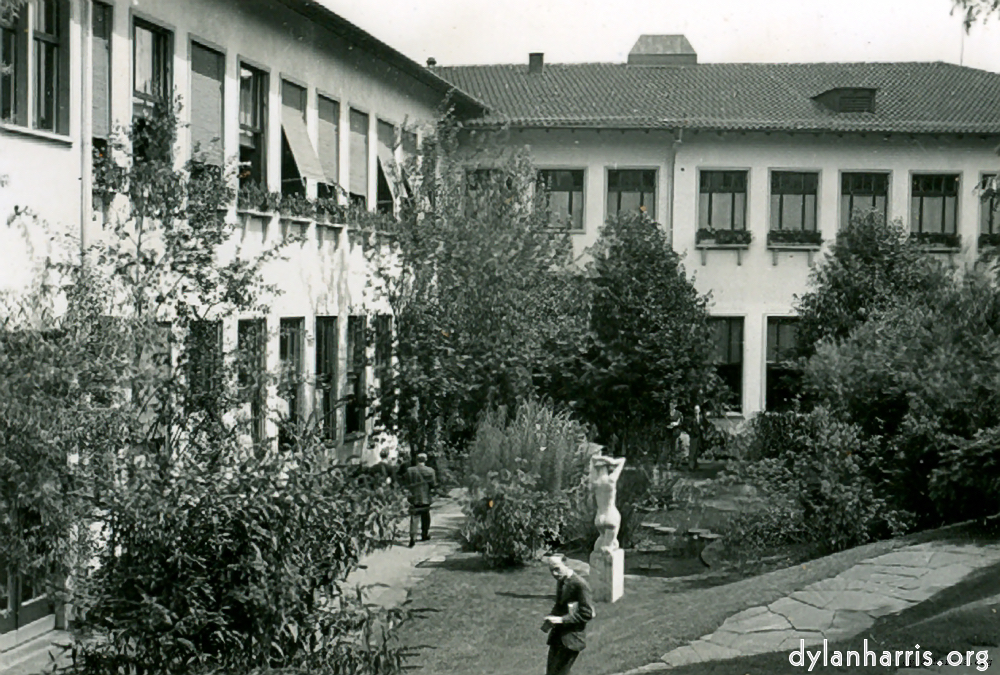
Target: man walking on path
{"x": 568, "y": 619}
{"x": 421, "y": 481}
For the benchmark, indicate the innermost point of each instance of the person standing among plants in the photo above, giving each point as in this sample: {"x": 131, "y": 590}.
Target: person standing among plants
{"x": 673, "y": 435}
{"x": 568, "y": 619}
{"x": 421, "y": 480}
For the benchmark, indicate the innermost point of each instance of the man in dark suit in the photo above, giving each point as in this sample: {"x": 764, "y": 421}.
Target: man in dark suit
{"x": 568, "y": 620}
{"x": 421, "y": 481}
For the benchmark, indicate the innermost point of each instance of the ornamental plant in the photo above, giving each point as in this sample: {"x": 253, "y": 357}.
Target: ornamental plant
{"x": 709, "y": 236}
{"x": 805, "y": 237}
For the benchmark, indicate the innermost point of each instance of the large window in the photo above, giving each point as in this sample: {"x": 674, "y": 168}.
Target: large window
{"x": 253, "y": 126}
{"x": 100, "y": 55}
{"x": 34, "y": 46}
{"x": 203, "y": 354}
{"x": 386, "y": 197}
{"x": 632, "y": 190}
{"x": 358, "y": 159}
{"x": 989, "y": 215}
{"x": 863, "y": 191}
{"x": 252, "y": 373}
{"x": 299, "y": 161}
{"x": 728, "y": 341}
{"x": 722, "y": 200}
{"x": 208, "y": 74}
{"x": 934, "y": 205}
{"x": 793, "y": 200}
{"x": 291, "y": 348}
{"x": 151, "y": 78}
{"x": 356, "y": 408}
{"x": 383, "y": 367}
{"x": 783, "y": 376}
{"x": 329, "y": 144}
{"x": 564, "y": 189}
{"x": 326, "y": 374}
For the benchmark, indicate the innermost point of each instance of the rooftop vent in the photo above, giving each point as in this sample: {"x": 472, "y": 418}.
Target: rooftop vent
{"x": 536, "y": 61}
{"x": 431, "y": 61}
{"x": 662, "y": 50}
{"x": 848, "y": 100}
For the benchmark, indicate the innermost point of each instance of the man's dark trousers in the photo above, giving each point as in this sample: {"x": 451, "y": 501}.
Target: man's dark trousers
{"x": 424, "y": 511}
{"x": 560, "y": 660}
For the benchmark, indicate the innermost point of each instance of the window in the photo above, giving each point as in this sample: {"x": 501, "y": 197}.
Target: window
{"x": 383, "y": 366}
{"x": 358, "y": 159}
{"x": 203, "y": 351}
{"x": 299, "y": 161}
{"x": 326, "y": 374}
{"x": 722, "y": 200}
{"x": 252, "y": 372}
{"x": 486, "y": 191}
{"x": 208, "y": 74}
{"x": 291, "y": 348}
{"x": 989, "y": 216}
{"x": 632, "y": 190}
{"x": 793, "y": 200}
{"x": 253, "y": 126}
{"x": 356, "y": 395}
{"x": 783, "y": 377}
{"x": 386, "y": 197}
{"x": 863, "y": 191}
{"x": 934, "y": 203}
{"x": 100, "y": 55}
{"x": 151, "y": 55}
{"x": 728, "y": 341}
{"x": 847, "y": 100}
{"x": 329, "y": 144}
{"x": 564, "y": 196}
{"x": 34, "y": 46}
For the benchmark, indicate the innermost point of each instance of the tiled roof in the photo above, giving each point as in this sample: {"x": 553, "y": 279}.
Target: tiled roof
{"x": 910, "y": 98}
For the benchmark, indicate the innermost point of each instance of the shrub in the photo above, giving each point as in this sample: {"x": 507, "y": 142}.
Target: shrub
{"x": 754, "y": 532}
{"x": 539, "y": 440}
{"x": 633, "y": 491}
{"x": 513, "y": 522}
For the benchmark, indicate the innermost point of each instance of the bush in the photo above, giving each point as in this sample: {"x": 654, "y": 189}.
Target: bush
{"x": 633, "y": 491}
{"x": 513, "y": 522}
{"x": 539, "y": 440}
{"x": 755, "y": 532}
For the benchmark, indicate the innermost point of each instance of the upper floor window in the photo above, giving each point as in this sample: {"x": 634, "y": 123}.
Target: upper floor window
{"x": 793, "y": 200}
{"x": 863, "y": 191}
{"x": 632, "y": 190}
{"x": 34, "y": 46}
{"x": 299, "y": 161}
{"x": 722, "y": 200}
{"x": 386, "y": 197}
{"x": 253, "y": 125}
{"x": 358, "y": 158}
{"x": 208, "y": 74}
{"x": 564, "y": 190}
{"x": 329, "y": 143}
{"x": 100, "y": 57}
{"x": 989, "y": 215}
{"x": 934, "y": 203}
{"x": 151, "y": 56}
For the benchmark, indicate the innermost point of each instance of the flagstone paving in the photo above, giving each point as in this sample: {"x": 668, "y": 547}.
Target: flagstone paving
{"x": 836, "y": 608}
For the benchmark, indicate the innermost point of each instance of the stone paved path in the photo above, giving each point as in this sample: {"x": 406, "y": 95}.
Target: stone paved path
{"x": 839, "y": 607}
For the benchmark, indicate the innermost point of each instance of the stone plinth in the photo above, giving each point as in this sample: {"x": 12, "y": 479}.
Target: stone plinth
{"x": 607, "y": 575}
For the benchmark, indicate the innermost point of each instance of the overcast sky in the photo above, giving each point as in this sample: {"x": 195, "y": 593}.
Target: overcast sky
{"x": 567, "y": 31}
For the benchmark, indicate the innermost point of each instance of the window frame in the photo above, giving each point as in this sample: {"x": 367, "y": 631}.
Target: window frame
{"x": 707, "y": 221}
{"x": 10, "y": 33}
{"x": 777, "y": 215}
{"x": 738, "y": 366}
{"x": 651, "y": 212}
{"x": 257, "y": 129}
{"x": 917, "y": 219}
{"x": 251, "y": 343}
{"x": 540, "y": 179}
{"x": 143, "y": 103}
{"x": 360, "y": 199}
{"x": 990, "y": 206}
{"x": 109, "y": 10}
{"x": 355, "y": 392}
{"x": 845, "y": 215}
{"x": 326, "y": 373}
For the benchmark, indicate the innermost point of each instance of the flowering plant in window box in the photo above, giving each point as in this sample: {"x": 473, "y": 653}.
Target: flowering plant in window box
{"x": 330, "y": 210}
{"x": 938, "y": 240}
{"x": 732, "y": 238}
{"x": 989, "y": 239}
{"x": 794, "y": 238}
{"x": 254, "y": 197}
{"x": 297, "y": 206}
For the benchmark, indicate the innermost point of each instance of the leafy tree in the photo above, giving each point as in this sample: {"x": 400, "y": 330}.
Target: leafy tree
{"x": 976, "y": 10}
{"x": 478, "y": 281}
{"x": 651, "y": 343}
{"x": 872, "y": 266}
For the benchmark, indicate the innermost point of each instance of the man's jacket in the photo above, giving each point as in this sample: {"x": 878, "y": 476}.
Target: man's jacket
{"x": 421, "y": 480}
{"x": 570, "y": 631}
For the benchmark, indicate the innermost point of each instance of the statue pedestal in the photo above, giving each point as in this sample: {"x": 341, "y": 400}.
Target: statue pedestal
{"x": 607, "y": 575}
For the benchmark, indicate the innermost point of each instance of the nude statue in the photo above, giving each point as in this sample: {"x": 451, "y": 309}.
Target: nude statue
{"x": 604, "y": 473}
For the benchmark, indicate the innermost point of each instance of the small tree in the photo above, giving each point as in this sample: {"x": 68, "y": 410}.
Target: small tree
{"x": 652, "y": 345}
{"x": 477, "y": 280}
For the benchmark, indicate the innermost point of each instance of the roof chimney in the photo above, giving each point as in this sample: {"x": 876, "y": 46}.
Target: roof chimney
{"x": 662, "y": 50}
{"x": 536, "y": 60}
{"x": 431, "y": 61}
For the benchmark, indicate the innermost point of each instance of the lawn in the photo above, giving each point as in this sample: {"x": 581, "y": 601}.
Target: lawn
{"x": 487, "y": 622}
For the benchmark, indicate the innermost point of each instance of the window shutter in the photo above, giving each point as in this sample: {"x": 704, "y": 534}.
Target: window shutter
{"x": 358, "y": 183}
{"x": 207, "y": 76}
{"x": 329, "y": 139}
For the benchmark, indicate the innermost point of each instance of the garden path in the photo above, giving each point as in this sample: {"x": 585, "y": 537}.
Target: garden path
{"x": 839, "y": 607}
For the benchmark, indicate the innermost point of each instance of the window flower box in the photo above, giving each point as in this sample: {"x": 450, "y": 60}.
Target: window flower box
{"x": 254, "y": 198}
{"x": 989, "y": 240}
{"x": 937, "y": 241}
{"x": 794, "y": 239}
{"x": 706, "y": 238}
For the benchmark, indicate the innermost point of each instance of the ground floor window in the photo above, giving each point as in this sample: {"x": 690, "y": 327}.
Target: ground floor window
{"x": 728, "y": 341}
{"x": 326, "y": 374}
{"x": 783, "y": 377}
